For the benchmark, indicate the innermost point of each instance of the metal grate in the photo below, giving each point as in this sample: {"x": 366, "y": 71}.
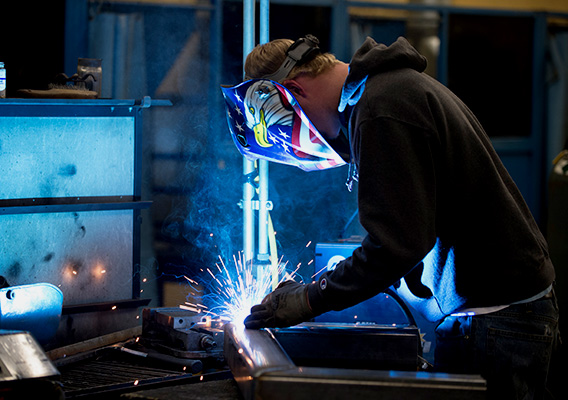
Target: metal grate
{"x": 97, "y": 376}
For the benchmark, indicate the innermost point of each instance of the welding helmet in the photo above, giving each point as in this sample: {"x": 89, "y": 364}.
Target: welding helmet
{"x": 267, "y": 122}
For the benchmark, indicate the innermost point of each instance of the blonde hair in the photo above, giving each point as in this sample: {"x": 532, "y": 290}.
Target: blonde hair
{"x": 265, "y": 59}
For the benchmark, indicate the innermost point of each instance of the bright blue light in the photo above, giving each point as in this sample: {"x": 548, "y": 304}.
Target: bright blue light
{"x": 463, "y": 314}
{"x": 235, "y": 289}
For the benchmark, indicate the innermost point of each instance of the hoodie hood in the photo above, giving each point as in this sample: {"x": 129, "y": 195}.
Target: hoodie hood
{"x": 373, "y": 58}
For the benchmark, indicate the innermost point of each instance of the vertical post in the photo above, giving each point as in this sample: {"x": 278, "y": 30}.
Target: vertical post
{"x": 263, "y": 256}
{"x": 538, "y": 128}
{"x": 444, "y": 35}
{"x": 249, "y": 169}
{"x": 248, "y": 166}
{"x": 264, "y": 21}
{"x": 340, "y": 32}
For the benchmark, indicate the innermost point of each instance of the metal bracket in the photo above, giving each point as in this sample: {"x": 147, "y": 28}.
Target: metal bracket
{"x": 255, "y": 205}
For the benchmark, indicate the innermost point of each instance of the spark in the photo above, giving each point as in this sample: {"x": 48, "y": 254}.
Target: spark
{"x": 235, "y": 288}
{"x": 289, "y": 276}
{"x": 318, "y": 272}
{"x": 191, "y": 280}
{"x": 189, "y": 308}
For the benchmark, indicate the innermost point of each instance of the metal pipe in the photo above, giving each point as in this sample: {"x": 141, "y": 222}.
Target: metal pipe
{"x": 248, "y": 27}
{"x": 267, "y": 234}
{"x": 423, "y": 30}
{"x": 263, "y": 255}
{"x": 264, "y": 21}
{"x": 248, "y": 214}
{"x": 248, "y": 166}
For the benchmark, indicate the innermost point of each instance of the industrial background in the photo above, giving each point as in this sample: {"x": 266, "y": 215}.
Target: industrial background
{"x": 161, "y": 201}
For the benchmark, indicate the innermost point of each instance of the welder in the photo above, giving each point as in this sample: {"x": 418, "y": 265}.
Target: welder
{"x": 446, "y": 225}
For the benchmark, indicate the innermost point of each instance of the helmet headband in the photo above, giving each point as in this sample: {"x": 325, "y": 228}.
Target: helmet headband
{"x": 301, "y": 51}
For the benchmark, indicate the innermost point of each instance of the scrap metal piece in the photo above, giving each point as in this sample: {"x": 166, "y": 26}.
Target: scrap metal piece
{"x": 263, "y": 369}
{"x": 22, "y": 358}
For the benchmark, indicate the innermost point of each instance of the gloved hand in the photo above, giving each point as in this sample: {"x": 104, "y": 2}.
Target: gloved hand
{"x": 286, "y": 306}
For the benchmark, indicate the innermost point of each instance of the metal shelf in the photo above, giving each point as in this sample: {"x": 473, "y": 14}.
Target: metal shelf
{"x": 71, "y": 204}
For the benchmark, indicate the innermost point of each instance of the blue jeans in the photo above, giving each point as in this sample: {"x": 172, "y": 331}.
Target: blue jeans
{"x": 510, "y": 348}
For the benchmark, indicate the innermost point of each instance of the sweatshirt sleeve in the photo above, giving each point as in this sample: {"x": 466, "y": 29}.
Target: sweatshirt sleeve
{"x": 397, "y": 200}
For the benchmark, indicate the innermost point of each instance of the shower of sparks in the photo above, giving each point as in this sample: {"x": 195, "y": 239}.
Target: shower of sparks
{"x": 235, "y": 289}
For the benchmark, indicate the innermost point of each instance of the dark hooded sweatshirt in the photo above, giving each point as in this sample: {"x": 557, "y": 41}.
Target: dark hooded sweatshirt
{"x": 437, "y": 203}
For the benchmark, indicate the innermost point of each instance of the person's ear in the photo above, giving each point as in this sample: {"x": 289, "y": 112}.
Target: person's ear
{"x": 294, "y": 87}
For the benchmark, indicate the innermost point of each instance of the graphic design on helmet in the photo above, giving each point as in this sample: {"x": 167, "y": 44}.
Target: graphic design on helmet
{"x": 267, "y": 122}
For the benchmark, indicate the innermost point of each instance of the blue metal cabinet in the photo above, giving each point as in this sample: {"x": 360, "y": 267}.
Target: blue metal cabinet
{"x": 70, "y": 197}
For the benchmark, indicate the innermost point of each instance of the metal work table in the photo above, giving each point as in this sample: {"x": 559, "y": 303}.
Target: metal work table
{"x": 263, "y": 369}
{"x": 225, "y": 389}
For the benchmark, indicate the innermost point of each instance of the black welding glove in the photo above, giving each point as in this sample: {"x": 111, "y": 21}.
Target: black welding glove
{"x": 286, "y": 306}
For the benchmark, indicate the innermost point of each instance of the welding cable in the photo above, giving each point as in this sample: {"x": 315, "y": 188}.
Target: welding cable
{"x": 342, "y": 234}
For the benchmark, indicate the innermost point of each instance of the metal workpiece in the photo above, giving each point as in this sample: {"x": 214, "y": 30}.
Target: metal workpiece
{"x": 250, "y": 354}
{"x": 348, "y": 345}
{"x": 331, "y": 383}
{"x": 263, "y": 368}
